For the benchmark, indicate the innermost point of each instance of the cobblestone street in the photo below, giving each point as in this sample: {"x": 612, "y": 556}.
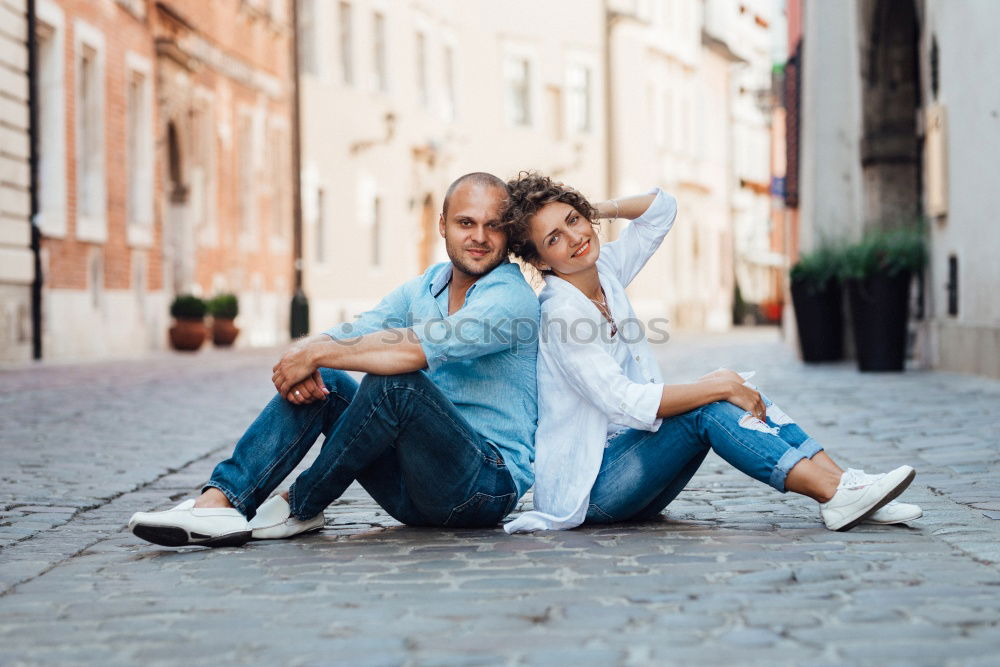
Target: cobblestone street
{"x": 734, "y": 573}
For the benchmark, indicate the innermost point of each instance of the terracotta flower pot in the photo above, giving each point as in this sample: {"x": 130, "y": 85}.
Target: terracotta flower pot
{"x": 188, "y": 335}
{"x": 224, "y": 332}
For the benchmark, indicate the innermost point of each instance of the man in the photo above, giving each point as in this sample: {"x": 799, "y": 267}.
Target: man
{"x": 440, "y": 431}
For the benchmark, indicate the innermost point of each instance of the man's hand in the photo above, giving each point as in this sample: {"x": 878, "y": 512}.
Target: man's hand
{"x": 308, "y": 391}
{"x": 295, "y": 366}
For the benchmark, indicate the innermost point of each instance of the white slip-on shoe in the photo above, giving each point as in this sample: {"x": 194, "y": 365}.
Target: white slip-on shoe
{"x": 274, "y": 521}
{"x": 859, "y": 496}
{"x": 895, "y": 511}
{"x": 189, "y": 525}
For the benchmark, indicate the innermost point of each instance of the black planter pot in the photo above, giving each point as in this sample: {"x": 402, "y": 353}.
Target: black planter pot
{"x": 879, "y": 310}
{"x": 820, "y": 320}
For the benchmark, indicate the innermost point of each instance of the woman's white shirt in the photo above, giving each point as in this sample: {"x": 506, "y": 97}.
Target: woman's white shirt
{"x": 591, "y": 384}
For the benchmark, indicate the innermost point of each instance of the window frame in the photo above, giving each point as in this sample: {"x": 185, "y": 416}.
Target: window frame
{"x": 90, "y": 225}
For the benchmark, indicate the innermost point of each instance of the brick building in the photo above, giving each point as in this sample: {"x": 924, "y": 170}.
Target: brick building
{"x": 165, "y": 167}
{"x": 16, "y": 268}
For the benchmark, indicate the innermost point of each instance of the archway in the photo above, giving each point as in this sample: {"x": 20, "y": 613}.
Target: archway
{"x": 891, "y": 143}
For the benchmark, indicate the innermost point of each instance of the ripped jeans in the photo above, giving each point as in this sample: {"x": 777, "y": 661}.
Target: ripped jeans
{"x": 643, "y": 471}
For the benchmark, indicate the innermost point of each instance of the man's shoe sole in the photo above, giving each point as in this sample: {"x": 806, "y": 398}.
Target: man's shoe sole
{"x": 886, "y": 499}
{"x": 304, "y": 532}
{"x": 171, "y": 536}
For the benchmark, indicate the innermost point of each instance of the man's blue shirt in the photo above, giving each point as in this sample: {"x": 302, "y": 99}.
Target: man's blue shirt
{"x": 482, "y": 357}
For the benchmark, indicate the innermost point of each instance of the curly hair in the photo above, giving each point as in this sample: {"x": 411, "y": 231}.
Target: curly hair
{"x": 527, "y": 194}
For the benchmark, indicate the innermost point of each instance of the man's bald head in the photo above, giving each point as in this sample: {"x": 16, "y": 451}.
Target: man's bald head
{"x": 480, "y": 178}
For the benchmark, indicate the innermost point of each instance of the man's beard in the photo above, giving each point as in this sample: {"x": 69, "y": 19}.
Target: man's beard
{"x": 476, "y": 270}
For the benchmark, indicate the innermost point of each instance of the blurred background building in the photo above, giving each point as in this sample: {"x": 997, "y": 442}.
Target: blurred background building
{"x": 16, "y": 261}
{"x": 399, "y": 99}
{"x": 611, "y": 97}
{"x": 164, "y": 163}
{"x": 163, "y": 166}
{"x": 896, "y": 121}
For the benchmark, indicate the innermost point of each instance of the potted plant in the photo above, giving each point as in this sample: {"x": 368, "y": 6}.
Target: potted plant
{"x": 224, "y": 308}
{"x": 188, "y": 332}
{"x": 816, "y": 297}
{"x": 877, "y": 272}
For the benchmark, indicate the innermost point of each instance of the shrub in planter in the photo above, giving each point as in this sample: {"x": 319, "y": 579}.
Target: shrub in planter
{"x": 224, "y": 308}
{"x": 188, "y": 332}
{"x": 878, "y": 272}
{"x": 816, "y": 297}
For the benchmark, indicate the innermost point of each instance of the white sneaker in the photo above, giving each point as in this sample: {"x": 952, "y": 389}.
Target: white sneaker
{"x": 274, "y": 521}
{"x": 895, "y": 511}
{"x": 859, "y": 496}
{"x": 189, "y": 525}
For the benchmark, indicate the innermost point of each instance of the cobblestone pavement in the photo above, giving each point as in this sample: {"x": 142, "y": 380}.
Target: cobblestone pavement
{"x": 733, "y": 573}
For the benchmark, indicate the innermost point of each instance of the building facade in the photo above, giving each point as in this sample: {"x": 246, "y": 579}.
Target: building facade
{"x": 613, "y": 97}
{"x": 897, "y": 125}
{"x": 17, "y": 270}
{"x": 164, "y": 143}
{"x": 399, "y": 99}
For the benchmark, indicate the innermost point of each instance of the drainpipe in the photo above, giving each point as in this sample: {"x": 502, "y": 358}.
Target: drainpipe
{"x": 300, "y": 303}
{"x": 36, "y": 233}
{"x": 611, "y": 17}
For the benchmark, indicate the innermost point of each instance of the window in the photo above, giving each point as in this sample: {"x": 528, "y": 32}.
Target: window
{"x": 139, "y": 280}
{"x": 320, "y": 222}
{"x": 203, "y": 178}
{"x": 376, "y": 231}
{"x": 90, "y": 187}
{"x": 308, "y": 60}
{"x": 381, "y": 73}
{"x": 517, "y": 76}
{"x": 668, "y": 121}
{"x": 139, "y": 150}
{"x": 279, "y": 164}
{"x": 580, "y": 85}
{"x": 423, "y": 89}
{"x": 449, "y": 82}
{"x": 51, "y": 120}
{"x": 95, "y": 278}
{"x": 346, "y": 44}
{"x": 555, "y": 98}
{"x": 245, "y": 180}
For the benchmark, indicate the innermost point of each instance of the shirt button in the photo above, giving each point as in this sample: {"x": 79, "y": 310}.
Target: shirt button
{"x": 637, "y": 357}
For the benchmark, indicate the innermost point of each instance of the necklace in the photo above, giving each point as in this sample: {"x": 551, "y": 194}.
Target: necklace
{"x": 602, "y": 306}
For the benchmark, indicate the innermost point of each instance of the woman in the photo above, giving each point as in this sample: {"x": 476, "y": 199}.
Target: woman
{"x": 615, "y": 443}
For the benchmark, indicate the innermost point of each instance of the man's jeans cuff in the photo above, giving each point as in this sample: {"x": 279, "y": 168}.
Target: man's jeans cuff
{"x": 785, "y": 464}
{"x": 232, "y": 497}
{"x": 291, "y": 504}
{"x": 810, "y": 448}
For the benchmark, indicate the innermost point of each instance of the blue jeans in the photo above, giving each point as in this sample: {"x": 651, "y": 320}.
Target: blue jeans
{"x": 643, "y": 471}
{"x": 397, "y": 435}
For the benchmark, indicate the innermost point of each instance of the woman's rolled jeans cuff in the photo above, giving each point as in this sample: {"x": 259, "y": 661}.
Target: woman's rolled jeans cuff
{"x": 789, "y": 460}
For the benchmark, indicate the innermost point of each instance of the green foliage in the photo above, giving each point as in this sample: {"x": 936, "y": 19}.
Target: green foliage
{"x": 818, "y": 268}
{"x": 224, "y": 306}
{"x": 902, "y": 250}
{"x": 188, "y": 307}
